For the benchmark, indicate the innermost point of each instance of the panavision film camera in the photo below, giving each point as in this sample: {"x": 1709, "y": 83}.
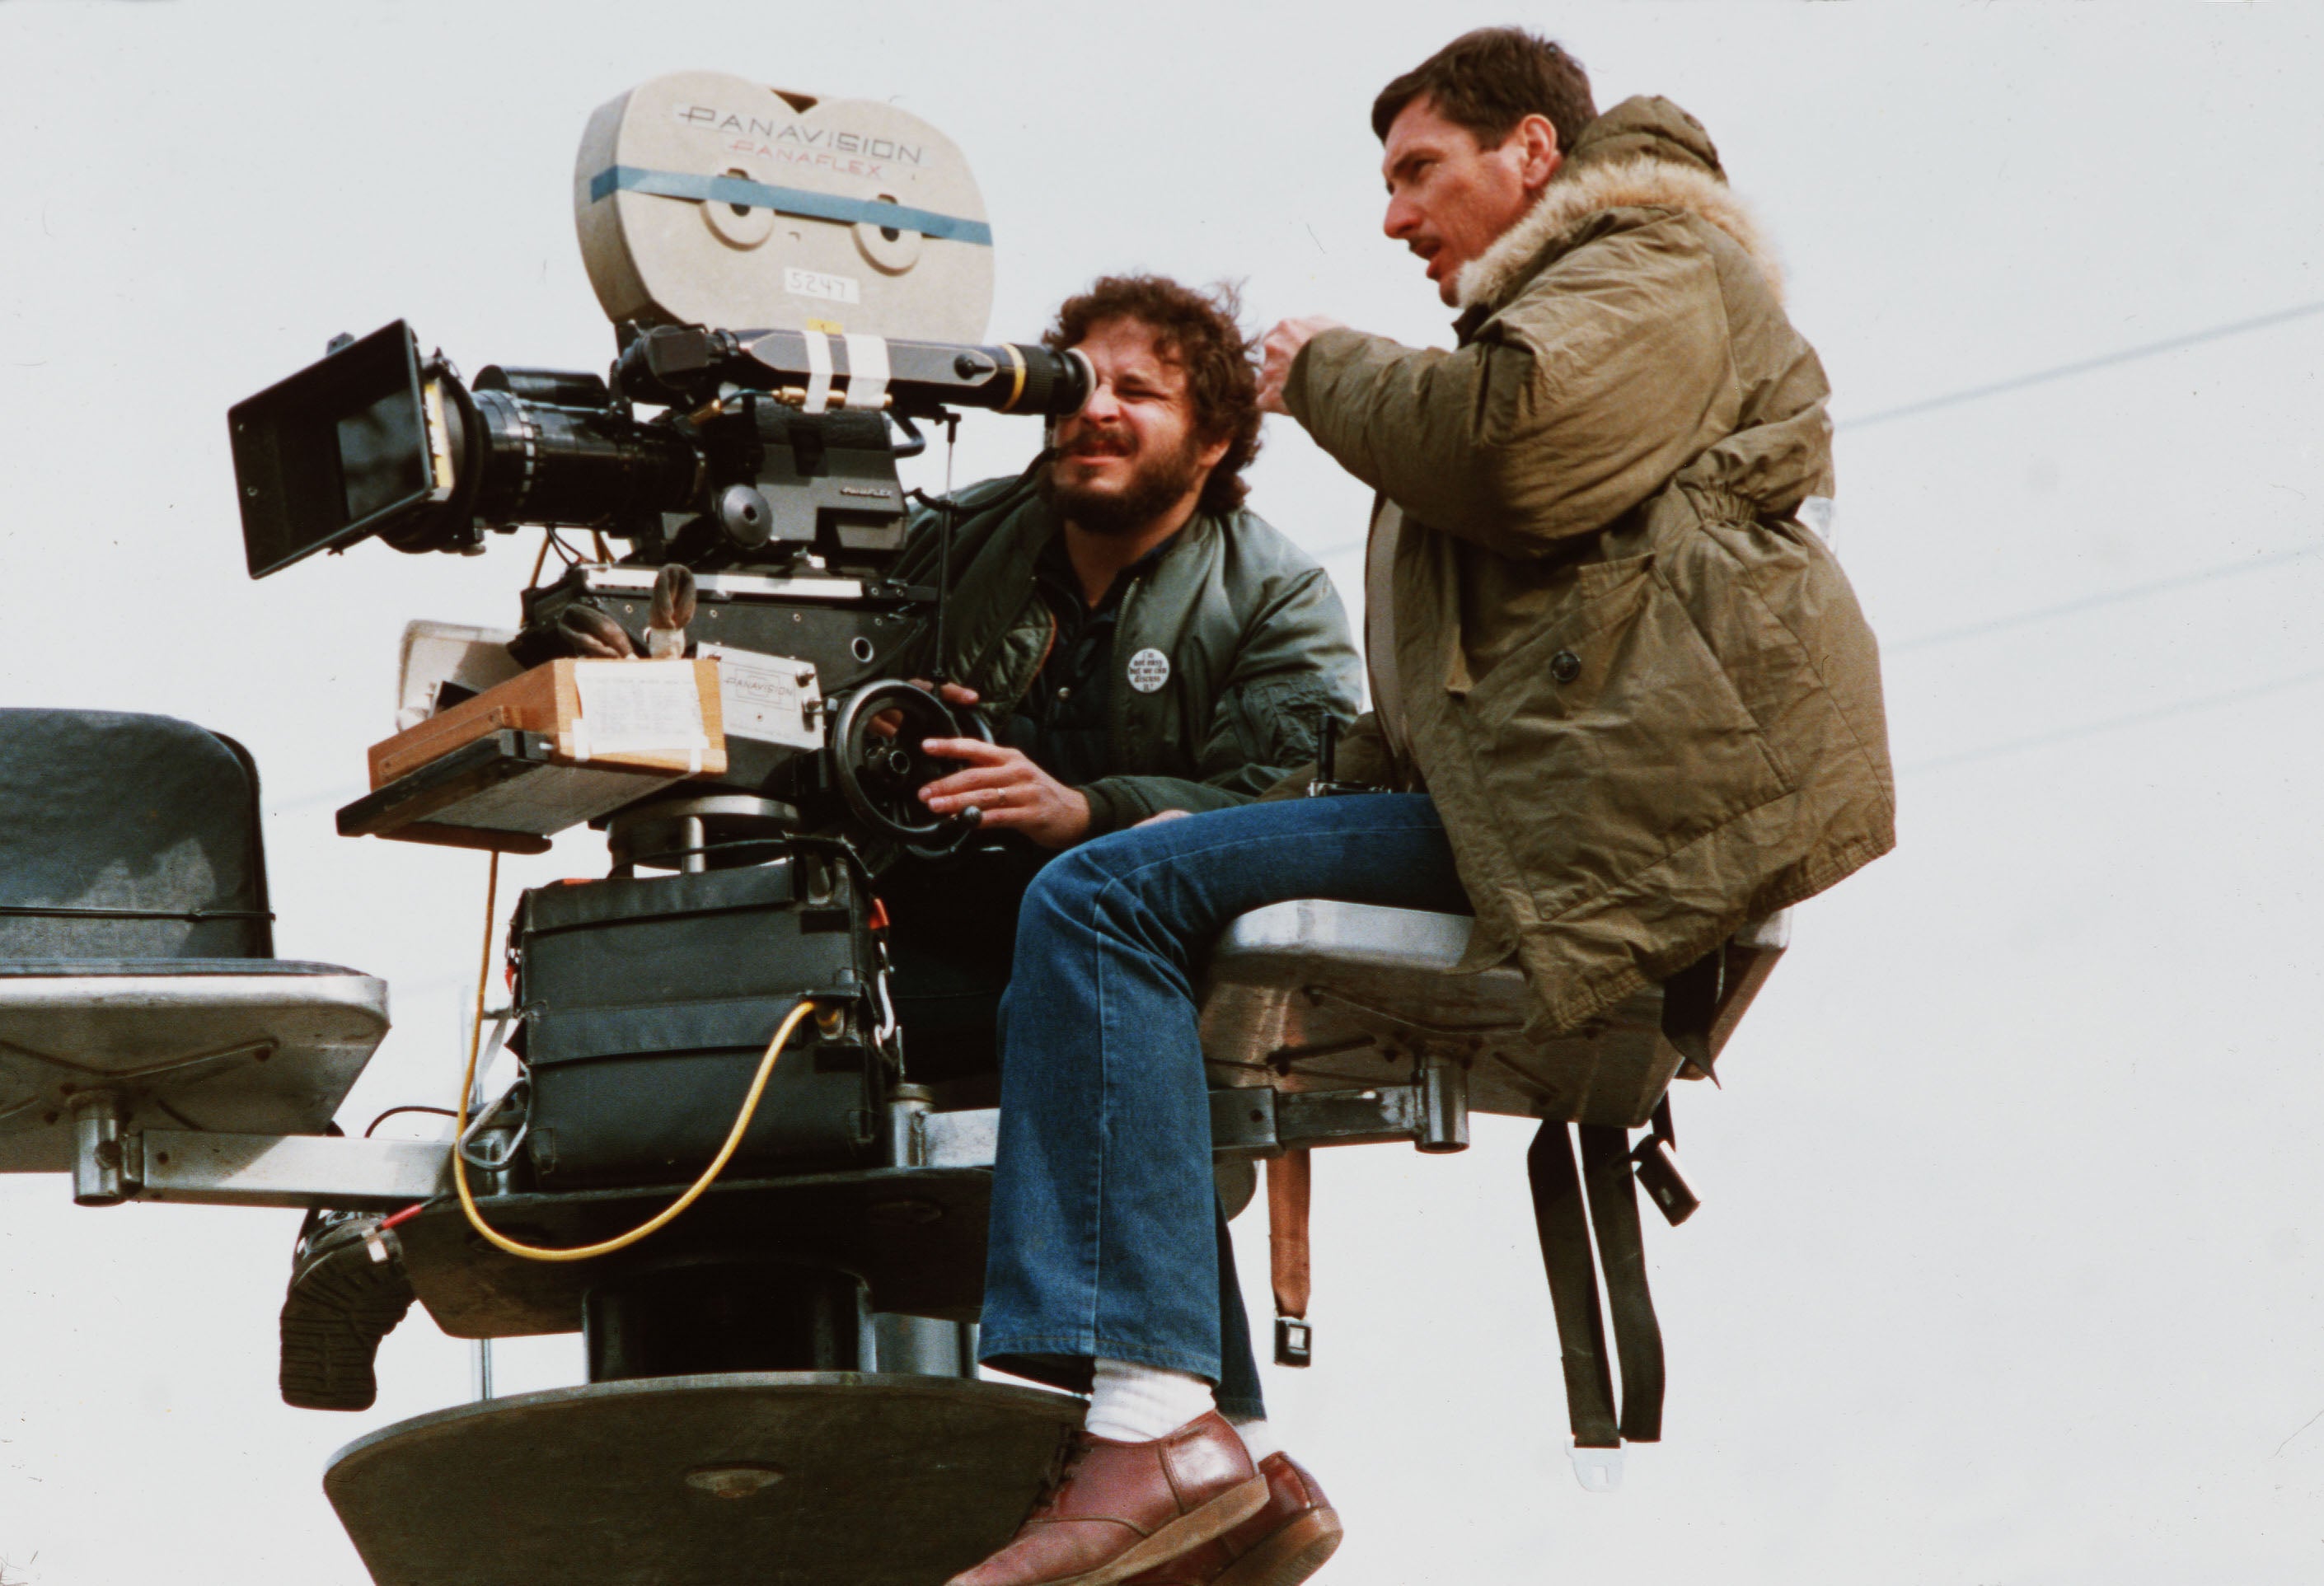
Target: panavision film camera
{"x": 725, "y": 697}
{"x": 768, "y": 274}
{"x": 797, "y": 287}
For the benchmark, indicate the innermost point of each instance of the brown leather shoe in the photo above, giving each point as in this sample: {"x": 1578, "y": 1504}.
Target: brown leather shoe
{"x": 1121, "y": 1509}
{"x": 1281, "y": 1545}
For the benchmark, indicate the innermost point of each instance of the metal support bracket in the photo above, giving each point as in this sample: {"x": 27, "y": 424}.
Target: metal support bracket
{"x": 99, "y": 1154}
{"x": 199, "y": 1167}
{"x": 1432, "y": 1113}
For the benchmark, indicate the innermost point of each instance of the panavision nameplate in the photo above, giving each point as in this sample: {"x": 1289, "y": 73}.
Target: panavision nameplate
{"x": 704, "y": 199}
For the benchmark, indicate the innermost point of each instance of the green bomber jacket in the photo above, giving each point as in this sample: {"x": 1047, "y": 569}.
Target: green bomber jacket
{"x": 1254, "y": 642}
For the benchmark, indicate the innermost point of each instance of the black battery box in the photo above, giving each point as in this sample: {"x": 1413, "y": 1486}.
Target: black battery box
{"x": 647, "y": 1004}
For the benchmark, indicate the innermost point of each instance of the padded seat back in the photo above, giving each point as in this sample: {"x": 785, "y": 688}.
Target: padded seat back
{"x": 127, "y": 836}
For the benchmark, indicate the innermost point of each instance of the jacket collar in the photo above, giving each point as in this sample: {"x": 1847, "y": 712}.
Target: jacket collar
{"x": 1624, "y": 159}
{"x": 1056, "y": 563}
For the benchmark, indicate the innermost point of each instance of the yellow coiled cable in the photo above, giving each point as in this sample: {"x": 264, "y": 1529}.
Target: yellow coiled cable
{"x": 660, "y": 1219}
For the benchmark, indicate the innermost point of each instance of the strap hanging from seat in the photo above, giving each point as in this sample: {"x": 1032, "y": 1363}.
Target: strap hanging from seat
{"x": 1610, "y": 1169}
{"x": 1287, "y": 1189}
{"x": 1565, "y": 1233}
{"x": 1637, "y": 1336}
{"x": 1565, "y": 1230}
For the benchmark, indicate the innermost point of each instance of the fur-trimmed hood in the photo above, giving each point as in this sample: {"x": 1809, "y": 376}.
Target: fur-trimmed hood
{"x": 1644, "y": 153}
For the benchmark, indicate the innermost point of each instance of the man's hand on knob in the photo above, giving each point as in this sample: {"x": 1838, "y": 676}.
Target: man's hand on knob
{"x": 1012, "y": 792}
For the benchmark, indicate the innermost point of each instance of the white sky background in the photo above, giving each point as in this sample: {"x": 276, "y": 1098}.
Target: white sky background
{"x": 2010, "y": 1262}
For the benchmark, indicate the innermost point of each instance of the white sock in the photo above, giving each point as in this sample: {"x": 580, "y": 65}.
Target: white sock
{"x": 1131, "y": 1403}
{"x": 1259, "y": 1437}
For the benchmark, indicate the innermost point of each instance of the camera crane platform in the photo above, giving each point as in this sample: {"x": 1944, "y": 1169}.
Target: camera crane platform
{"x": 781, "y": 1382}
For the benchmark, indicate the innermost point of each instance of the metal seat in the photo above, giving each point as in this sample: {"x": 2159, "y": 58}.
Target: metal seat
{"x": 1315, "y": 996}
{"x": 138, "y": 989}
{"x": 233, "y": 1045}
{"x": 1332, "y": 1024}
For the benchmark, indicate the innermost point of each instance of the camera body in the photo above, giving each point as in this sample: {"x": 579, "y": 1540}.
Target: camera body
{"x": 747, "y": 436}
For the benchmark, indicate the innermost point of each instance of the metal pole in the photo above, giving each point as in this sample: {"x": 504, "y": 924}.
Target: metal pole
{"x": 1443, "y": 1086}
{"x": 98, "y": 1177}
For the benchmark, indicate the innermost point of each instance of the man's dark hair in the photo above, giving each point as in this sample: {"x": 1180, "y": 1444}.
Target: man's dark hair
{"x": 1203, "y": 333}
{"x": 1490, "y": 81}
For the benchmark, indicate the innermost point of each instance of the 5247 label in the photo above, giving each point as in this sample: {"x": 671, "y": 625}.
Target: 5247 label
{"x": 818, "y": 283}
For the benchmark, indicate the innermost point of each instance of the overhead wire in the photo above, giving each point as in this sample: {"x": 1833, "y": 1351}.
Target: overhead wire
{"x": 2015, "y": 382}
{"x": 2020, "y": 382}
{"x": 2092, "y": 602}
{"x": 2116, "y": 723}
{"x": 2081, "y": 366}
{"x": 2111, "y": 598}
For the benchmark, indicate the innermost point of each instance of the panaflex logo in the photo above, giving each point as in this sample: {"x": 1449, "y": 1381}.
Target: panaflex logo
{"x": 822, "y": 139}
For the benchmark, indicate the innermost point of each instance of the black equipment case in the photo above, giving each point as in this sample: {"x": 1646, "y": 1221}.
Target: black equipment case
{"x": 647, "y": 1004}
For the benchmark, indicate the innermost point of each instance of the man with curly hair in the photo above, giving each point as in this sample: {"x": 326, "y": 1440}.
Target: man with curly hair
{"x": 1138, "y": 641}
{"x": 1142, "y": 645}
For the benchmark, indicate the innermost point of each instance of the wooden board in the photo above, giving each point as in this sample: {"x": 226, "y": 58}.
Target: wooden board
{"x": 606, "y": 714}
{"x": 502, "y": 790}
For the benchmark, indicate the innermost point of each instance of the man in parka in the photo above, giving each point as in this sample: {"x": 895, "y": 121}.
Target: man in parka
{"x": 1625, "y": 698}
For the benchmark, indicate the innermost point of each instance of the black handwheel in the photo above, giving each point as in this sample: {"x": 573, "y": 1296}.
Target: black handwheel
{"x": 881, "y": 774}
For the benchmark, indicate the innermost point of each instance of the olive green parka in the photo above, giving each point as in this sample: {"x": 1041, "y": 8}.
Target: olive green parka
{"x": 1639, "y": 688}
{"x": 1254, "y": 642}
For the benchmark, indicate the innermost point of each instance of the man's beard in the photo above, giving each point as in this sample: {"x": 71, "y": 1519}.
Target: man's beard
{"x": 1154, "y": 485}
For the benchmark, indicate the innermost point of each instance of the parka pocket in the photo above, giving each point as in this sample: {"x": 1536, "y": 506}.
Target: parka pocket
{"x": 1593, "y": 581}
{"x": 1612, "y": 737}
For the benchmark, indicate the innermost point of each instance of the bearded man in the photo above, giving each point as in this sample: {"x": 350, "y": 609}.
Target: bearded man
{"x": 1624, "y": 701}
{"x": 1138, "y": 641}
{"x": 1142, "y": 645}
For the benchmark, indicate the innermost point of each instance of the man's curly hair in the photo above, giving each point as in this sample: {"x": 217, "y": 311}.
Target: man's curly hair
{"x": 1202, "y": 332}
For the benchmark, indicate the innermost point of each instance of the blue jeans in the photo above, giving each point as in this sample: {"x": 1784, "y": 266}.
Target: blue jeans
{"x": 1105, "y": 1237}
